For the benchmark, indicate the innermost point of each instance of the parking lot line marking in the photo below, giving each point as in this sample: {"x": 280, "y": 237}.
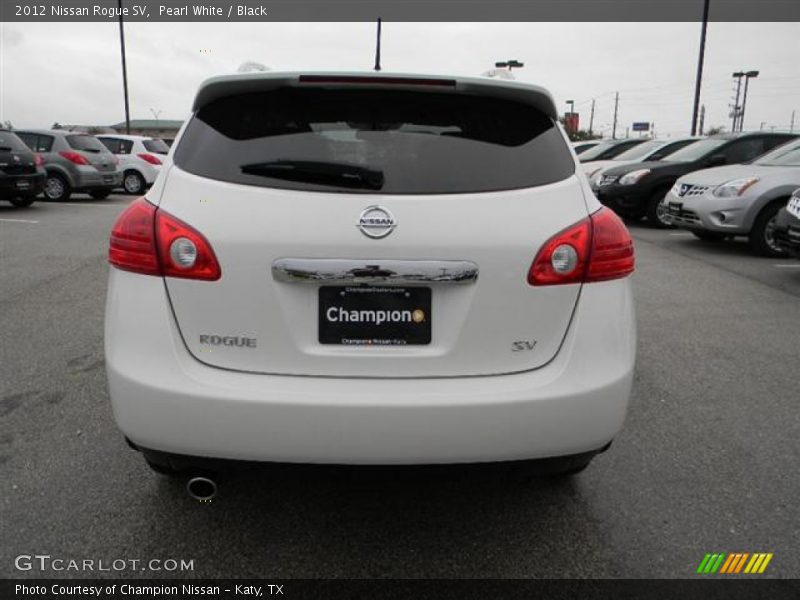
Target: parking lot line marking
{"x": 681, "y": 233}
{"x": 797, "y": 266}
{"x": 86, "y": 204}
{"x": 17, "y": 221}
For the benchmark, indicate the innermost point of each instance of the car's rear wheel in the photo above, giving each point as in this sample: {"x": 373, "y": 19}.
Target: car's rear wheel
{"x": 100, "y": 194}
{"x": 22, "y": 201}
{"x": 56, "y": 188}
{"x": 762, "y": 235}
{"x": 133, "y": 182}
{"x": 709, "y": 236}
{"x": 657, "y": 211}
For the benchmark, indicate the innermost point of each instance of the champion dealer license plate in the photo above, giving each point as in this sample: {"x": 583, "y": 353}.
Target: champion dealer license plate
{"x": 374, "y": 316}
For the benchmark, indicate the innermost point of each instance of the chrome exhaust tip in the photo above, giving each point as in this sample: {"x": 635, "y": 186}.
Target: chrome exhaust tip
{"x": 201, "y": 489}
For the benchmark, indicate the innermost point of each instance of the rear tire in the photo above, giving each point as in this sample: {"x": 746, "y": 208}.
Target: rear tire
{"x": 709, "y": 236}
{"x": 56, "y": 188}
{"x": 656, "y": 212}
{"x": 22, "y": 201}
{"x": 133, "y": 183}
{"x": 761, "y": 238}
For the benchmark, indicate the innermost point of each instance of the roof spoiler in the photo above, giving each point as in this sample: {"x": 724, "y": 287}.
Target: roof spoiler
{"x": 229, "y": 85}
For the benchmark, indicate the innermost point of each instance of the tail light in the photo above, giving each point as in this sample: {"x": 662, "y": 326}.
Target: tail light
{"x": 150, "y": 241}
{"x": 74, "y": 157}
{"x": 153, "y": 160}
{"x": 38, "y": 160}
{"x": 598, "y": 248}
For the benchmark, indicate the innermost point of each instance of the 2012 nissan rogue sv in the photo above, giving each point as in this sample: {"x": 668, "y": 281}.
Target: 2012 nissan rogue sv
{"x": 370, "y": 269}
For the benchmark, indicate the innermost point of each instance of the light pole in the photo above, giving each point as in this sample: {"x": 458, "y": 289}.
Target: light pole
{"x": 700, "y": 59}
{"x": 124, "y": 70}
{"x": 738, "y": 75}
{"x": 747, "y": 77}
{"x": 155, "y": 114}
{"x": 510, "y": 64}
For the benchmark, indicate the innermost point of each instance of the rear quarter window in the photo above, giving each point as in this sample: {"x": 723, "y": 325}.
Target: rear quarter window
{"x": 409, "y": 142}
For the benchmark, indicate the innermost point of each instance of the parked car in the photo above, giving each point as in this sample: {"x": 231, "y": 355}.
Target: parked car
{"x": 787, "y": 226}
{"x": 294, "y": 289}
{"x": 139, "y": 158}
{"x": 636, "y": 191}
{"x": 21, "y": 173}
{"x": 609, "y": 149}
{"x": 650, "y": 150}
{"x": 580, "y": 147}
{"x": 74, "y": 162}
{"x": 737, "y": 200}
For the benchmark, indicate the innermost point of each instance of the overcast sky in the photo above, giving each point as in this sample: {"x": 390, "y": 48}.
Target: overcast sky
{"x": 70, "y": 73}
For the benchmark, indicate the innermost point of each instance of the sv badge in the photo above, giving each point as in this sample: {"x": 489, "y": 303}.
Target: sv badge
{"x": 523, "y": 345}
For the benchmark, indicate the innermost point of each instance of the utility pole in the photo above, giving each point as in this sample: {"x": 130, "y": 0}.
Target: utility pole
{"x": 591, "y": 119}
{"x": 124, "y": 71}
{"x": 700, "y": 60}
{"x": 702, "y": 120}
{"x": 616, "y": 108}
{"x": 738, "y": 77}
{"x": 747, "y": 76}
{"x": 378, "y": 48}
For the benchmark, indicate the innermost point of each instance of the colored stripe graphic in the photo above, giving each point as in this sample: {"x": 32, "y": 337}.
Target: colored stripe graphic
{"x": 734, "y": 563}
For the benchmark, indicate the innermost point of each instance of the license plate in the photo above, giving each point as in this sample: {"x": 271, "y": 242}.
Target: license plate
{"x": 23, "y": 185}
{"x": 374, "y": 316}
{"x": 793, "y": 208}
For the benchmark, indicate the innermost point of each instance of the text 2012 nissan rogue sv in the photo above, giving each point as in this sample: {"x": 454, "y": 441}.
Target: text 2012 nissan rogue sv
{"x": 370, "y": 269}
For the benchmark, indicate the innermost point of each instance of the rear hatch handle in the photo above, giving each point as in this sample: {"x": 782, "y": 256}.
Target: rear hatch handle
{"x": 351, "y": 271}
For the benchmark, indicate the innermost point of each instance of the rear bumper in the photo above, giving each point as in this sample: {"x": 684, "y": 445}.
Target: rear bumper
{"x": 165, "y": 400}
{"x": 30, "y": 184}
{"x": 89, "y": 178}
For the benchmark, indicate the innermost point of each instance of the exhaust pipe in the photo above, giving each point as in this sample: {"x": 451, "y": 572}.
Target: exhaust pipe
{"x": 201, "y": 489}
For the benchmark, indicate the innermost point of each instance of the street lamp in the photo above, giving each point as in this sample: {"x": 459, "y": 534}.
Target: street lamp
{"x": 747, "y": 77}
{"x": 510, "y": 64}
{"x": 155, "y": 114}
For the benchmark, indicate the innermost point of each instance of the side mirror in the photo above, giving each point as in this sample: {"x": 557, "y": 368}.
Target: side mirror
{"x": 716, "y": 160}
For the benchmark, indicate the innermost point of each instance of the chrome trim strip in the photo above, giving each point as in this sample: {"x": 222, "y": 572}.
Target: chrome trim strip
{"x": 341, "y": 270}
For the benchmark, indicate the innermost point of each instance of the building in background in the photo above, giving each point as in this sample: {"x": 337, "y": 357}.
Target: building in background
{"x": 160, "y": 128}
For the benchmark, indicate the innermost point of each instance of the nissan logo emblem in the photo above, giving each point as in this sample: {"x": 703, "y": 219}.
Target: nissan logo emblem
{"x": 376, "y": 222}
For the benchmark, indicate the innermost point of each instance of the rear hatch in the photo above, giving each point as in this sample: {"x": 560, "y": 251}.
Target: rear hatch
{"x": 92, "y": 150}
{"x": 373, "y": 228}
{"x": 15, "y": 157}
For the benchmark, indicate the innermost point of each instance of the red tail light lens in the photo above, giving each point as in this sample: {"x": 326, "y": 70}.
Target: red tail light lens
{"x": 149, "y": 241}
{"x": 74, "y": 157}
{"x": 597, "y": 248}
{"x": 153, "y": 160}
{"x": 37, "y": 158}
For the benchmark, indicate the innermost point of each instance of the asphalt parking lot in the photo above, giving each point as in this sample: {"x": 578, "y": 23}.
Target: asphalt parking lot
{"x": 707, "y": 461}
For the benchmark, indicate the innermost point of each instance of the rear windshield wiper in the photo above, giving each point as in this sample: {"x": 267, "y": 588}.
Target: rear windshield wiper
{"x": 323, "y": 173}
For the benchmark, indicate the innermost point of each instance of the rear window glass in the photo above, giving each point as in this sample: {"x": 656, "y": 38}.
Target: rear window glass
{"x": 87, "y": 143}
{"x": 156, "y": 145}
{"x": 393, "y": 142}
{"x": 10, "y": 142}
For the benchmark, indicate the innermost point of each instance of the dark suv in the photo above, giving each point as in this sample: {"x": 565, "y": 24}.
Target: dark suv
{"x": 635, "y": 191}
{"x": 21, "y": 174}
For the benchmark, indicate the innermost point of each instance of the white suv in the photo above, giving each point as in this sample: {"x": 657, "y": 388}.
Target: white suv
{"x": 370, "y": 269}
{"x": 140, "y": 159}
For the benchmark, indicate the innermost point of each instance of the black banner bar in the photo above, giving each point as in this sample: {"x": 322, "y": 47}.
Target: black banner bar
{"x": 399, "y": 10}
{"x": 723, "y": 588}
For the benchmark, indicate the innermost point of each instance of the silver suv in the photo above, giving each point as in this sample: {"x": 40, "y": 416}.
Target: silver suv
{"x": 74, "y": 162}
